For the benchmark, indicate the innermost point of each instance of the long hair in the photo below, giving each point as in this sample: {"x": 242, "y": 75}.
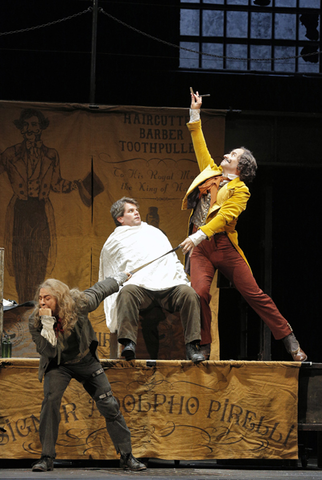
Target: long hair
{"x": 247, "y": 166}
{"x": 69, "y": 303}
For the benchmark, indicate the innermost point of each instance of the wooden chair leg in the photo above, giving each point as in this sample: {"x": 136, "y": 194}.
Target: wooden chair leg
{"x": 114, "y": 346}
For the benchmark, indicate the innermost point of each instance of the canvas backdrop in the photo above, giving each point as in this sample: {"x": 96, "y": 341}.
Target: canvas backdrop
{"x": 99, "y": 155}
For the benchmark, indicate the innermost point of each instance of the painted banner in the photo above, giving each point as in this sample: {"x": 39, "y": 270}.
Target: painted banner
{"x": 63, "y": 166}
{"x": 175, "y": 410}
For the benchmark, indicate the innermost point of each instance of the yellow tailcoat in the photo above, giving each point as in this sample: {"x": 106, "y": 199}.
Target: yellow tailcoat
{"x": 231, "y": 200}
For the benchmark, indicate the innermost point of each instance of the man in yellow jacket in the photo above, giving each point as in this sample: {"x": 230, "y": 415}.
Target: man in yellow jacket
{"x": 217, "y": 197}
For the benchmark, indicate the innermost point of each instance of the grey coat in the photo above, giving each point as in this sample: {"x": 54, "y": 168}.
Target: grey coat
{"x": 83, "y": 327}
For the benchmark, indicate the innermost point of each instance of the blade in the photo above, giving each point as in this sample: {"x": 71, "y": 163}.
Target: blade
{"x": 146, "y": 264}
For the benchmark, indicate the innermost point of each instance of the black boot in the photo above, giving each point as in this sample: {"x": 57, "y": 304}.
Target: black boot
{"x": 129, "y": 350}
{"x": 128, "y": 462}
{"x": 193, "y": 353}
{"x": 45, "y": 464}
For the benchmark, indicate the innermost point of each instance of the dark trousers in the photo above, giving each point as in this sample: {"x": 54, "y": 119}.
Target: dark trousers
{"x": 219, "y": 253}
{"x": 97, "y": 385}
{"x": 132, "y": 299}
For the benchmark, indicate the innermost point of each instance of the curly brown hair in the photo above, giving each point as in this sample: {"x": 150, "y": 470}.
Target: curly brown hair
{"x": 247, "y": 166}
{"x": 27, "y": 113}
{"x": 69, "y": 302}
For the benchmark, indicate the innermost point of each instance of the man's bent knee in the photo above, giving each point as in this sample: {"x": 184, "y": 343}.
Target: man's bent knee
{"x": 189, "y": 293}
{"x": 127, "y": 290}
{"x": 108, "y": 406}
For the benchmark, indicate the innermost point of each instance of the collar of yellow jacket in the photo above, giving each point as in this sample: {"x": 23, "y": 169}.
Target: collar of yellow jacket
{"x": 208, "y": 172}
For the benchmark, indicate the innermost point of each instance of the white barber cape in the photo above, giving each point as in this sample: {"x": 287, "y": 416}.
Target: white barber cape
{"x": 130, "y": 247}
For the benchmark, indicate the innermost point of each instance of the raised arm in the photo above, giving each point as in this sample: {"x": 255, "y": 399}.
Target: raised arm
{"x": 198, "y": 140}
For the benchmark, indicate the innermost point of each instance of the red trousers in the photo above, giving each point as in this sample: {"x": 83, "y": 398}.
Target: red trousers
{"x": 219, "y": 253}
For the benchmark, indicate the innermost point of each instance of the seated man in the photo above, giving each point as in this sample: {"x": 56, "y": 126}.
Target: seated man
{"x": 164, "y": 283}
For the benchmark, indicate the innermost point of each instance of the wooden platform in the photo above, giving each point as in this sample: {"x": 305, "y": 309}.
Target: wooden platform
{"x": 310, "y": 406}
{"x": 176, "y": 410}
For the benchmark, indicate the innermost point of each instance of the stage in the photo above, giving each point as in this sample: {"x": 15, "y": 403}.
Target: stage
{"x": 176, "y": 410}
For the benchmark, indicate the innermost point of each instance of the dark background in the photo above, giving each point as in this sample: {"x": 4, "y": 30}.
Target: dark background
{"x": 278, "y": 116}
{"x": 53, "y": 63}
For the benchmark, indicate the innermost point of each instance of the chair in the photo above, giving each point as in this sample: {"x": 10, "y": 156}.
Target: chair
{"x": 160, "y": 336}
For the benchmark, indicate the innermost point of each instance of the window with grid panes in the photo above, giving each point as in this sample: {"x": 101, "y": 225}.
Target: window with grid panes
{"x": 273, "y": 36}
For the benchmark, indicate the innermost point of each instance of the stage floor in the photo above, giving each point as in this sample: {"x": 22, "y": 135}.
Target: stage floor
{"x": 166, "y": 471}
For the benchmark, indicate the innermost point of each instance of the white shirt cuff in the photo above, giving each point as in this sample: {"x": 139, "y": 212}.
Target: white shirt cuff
{"x": 48, "y": 329}
{"x": 194, "y": 114}
{"x": 198, "y": 237}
